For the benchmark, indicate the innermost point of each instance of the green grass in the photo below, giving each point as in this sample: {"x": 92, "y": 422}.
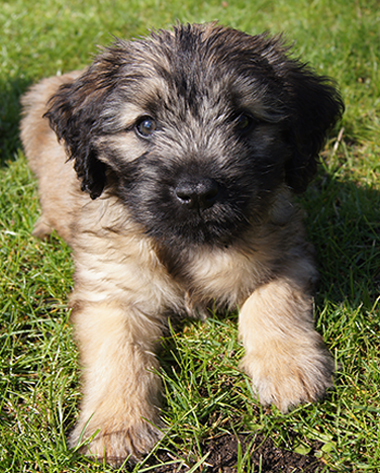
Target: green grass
{"x": 206, "y": 394}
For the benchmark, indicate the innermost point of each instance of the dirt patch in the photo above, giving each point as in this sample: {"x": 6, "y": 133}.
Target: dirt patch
{"x": 263, "y": 454}
{"x": 223, "y": 457}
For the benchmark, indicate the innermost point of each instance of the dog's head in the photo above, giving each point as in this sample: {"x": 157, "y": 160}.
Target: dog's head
{"x": 195, "y": 128}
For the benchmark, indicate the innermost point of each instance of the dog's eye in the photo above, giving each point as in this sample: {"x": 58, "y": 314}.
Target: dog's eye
{"x": 244, "y": 122}
{"x": 146, "y": 126}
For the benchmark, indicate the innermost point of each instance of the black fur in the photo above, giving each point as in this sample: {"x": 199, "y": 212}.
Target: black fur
{"x": 210, "y": 78}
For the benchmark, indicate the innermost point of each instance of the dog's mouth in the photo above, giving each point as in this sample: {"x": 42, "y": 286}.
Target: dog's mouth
{"x": 189, "y": 206}
{"x": 193, "y": 212}
{"x": 200, "y": 227}
{"x": 206, "y": 212}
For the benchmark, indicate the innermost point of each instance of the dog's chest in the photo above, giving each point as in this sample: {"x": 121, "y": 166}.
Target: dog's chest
{"x": 221, "y": 277}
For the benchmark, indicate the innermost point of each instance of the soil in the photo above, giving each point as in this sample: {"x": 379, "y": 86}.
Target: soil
{"x": 264, "y": 455}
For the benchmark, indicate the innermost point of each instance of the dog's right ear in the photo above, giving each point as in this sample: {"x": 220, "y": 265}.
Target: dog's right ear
{"x": 73, "y": 112}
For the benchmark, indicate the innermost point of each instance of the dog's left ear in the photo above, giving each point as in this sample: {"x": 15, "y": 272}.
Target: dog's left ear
{"x": 73, "y": 114}
{"x": 315, "y": 106}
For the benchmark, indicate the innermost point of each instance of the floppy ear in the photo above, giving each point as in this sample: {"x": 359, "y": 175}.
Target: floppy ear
{"x": 73, "y": 114}
{"x": 315, "y": 106}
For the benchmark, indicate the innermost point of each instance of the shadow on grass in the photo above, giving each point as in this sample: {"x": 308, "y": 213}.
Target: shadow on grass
{"x": 343, "y": 223}
{"x": 10, "y": 113}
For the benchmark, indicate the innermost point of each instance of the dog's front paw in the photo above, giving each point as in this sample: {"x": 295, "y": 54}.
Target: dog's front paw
{"x": 286, "y": 377}
{"x": 115, "y": 442}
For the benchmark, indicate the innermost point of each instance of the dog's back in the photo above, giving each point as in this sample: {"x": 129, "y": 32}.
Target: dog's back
{"x": 58, "y": 182}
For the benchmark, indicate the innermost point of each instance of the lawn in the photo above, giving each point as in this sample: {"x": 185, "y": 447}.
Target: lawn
{"x": 207, "y": 397}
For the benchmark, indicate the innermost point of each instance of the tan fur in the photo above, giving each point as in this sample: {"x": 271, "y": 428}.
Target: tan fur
{"x": 48, "y": 161}
{"x": 123, "y": 293}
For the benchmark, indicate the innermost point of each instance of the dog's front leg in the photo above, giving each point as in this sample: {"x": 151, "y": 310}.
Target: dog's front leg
{"x": 285, "y": 357}
{"x": 120, "y": 390}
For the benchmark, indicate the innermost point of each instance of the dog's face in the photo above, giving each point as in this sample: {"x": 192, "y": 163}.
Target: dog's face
{"x": 195, "y": 129}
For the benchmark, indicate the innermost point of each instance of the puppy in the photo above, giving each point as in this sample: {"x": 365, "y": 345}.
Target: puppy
{"x": 172, "y": 180}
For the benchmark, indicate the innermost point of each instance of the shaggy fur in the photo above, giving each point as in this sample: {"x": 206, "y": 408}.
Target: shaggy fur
{"x": 172, "y": 180}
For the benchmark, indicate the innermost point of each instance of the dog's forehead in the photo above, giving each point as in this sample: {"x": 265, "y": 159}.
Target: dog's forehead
{"x": 203, "y": 67}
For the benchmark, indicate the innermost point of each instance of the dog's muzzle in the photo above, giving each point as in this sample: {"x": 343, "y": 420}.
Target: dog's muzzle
{"x": 197, "y": 194}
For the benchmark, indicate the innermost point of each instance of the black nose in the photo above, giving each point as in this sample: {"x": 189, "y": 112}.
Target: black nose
{"x": 198, "y": 194}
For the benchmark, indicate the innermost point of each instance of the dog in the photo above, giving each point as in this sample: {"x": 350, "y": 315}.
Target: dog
{"x": 169, "y": 165}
